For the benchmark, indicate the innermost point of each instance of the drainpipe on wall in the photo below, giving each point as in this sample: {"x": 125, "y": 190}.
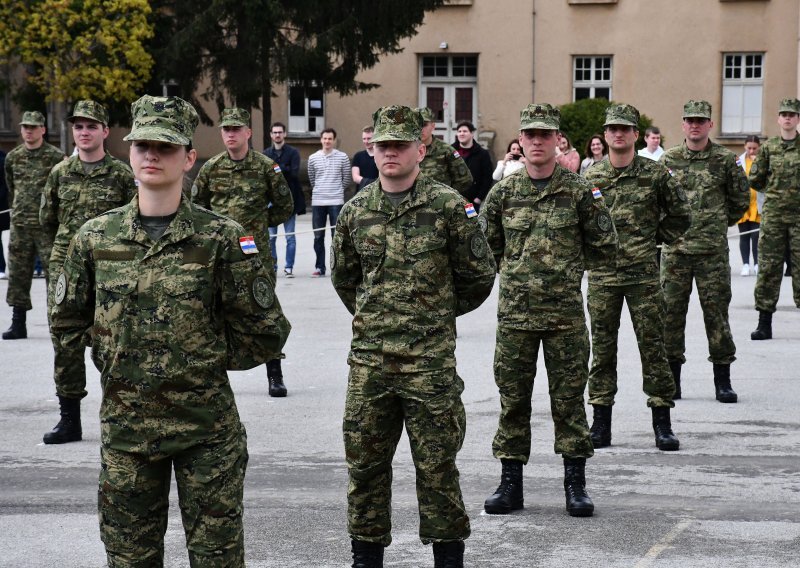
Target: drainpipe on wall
{"x": 533, "y": 49}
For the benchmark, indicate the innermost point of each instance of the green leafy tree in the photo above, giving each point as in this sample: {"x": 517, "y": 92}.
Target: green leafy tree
{"x": 78, "y": 49}
{"x": 584, "y": 118}
{"x": 240, "y": 49}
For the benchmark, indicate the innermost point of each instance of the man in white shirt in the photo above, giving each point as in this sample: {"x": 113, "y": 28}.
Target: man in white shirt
{"x": 653, "y": 150}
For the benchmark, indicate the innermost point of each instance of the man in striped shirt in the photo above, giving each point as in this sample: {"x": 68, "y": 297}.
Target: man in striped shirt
{"x": 329, "y": 174}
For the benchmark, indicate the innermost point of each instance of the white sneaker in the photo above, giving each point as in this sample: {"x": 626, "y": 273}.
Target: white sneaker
{"x": 288, "y": 273}
{"x": 755, "y": 270}
{"x": 3, "y": 276}
{"x": 745, "y": 270}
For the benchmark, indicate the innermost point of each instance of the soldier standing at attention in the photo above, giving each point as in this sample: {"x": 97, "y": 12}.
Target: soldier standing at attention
{"x": 249, "y": 188}
{"x": 647, "y": 206}
{"x": 171, "y": 295}
{"x": 26, "y": 170}
{"x": 78, "y": 189}
{"x": 442, "y": 163}
{"x": 718, "y": 193}
{"x": 408, "y": 257}
{"x": 545, "y": 225}
{"x": 776, "y": 172}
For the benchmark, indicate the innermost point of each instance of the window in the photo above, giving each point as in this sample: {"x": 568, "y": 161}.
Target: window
{"x": 591, "y": 77}
{"x": 742, "y": 91}
{"x": 448, "y": 86}
{"x": 449, "y": 67}
{"x": 306, "y": 109}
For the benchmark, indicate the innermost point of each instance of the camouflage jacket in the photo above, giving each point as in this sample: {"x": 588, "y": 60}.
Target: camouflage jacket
{"x": 444, "y": 164}
{"x": 647, "y": 206}
{"x": 164, "y": 320}
{"x": 405, "y": 273}
{"x": 252, "y": 191}
{"x": 542, "y": 242}
{"x": 26, "y": 174}
{"x": 776, "y": 172}
{"x": 71, "y": 197}
{"x": 717, "y": 190}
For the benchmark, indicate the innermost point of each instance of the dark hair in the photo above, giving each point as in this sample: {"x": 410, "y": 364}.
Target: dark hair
{"x": 331, "y": 130}
{"x": 652, "y": 130}
{"x": 280, "y": 124}
{"x": 588, "y": 150}
{"x": 514, "y": 141}
{"x": 753, "y": 138}
{"x": 468, "y": 124}
{"x": 564, "y": 136}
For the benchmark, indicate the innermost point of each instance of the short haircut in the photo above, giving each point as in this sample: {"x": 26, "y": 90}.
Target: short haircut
{"x": 652, "y": 130}
{"x": 468, "y": 124}
{"x": 330, "y": 130}
{"x": 279, "y": 125}
{"x": 753, "y": 138}
{"x": 367, "y": 129}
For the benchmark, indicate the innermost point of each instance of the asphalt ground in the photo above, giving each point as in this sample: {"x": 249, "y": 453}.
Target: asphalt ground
{"x": 729, "y": 498}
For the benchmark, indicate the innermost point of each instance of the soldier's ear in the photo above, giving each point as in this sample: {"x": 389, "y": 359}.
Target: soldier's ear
{"x": 423, "y": 150}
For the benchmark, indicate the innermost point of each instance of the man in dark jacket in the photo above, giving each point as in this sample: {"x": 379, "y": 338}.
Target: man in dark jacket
{"x": 478, "y": 161}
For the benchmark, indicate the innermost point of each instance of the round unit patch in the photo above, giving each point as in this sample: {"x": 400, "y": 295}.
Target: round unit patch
{"x": 283, "y": 190}
{"x": 262, "y": 292}
{"x": 61, "y": 288}
{"x": 333, "y": 259}
{"x": 477, "y": 245}
{"x": 604, "y": 221}
{"x": 194, "y": 190}
{"x": 483, "y": 223}
{"x": 681, "y": 194}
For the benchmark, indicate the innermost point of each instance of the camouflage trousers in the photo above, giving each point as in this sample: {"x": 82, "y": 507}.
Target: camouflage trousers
{"x": 133, "y": 500}
{"x": 566, "y": 357}
{"x": 69, "y": 365}
{"x": 23, "y": 246}
{"x": 646, "y": 308}
{"x": 712, "y": 273}
{"x": 774, "y": 238}
{"x": 377, "y": 407}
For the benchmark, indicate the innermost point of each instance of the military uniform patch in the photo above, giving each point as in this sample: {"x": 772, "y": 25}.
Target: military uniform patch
{"x": 753, "y": 168}
{"x": 596, "y": 193}
{"x": 483, "y": 224}
{"x": 262, "y": 292}
{"x": 333, "y": 259}
{"x": 469, "y": 209}
{"x": 681, "y": 194}
{"x": 604, "y": 221}
{"x": 194, "y": 190}
{"x": 284, "y": 190}
{"x": 61, "y": 288}
{"x": 477, "y": 245}
{"x": 248, "y": 245}
{"x": 43, "y": 201}
{"x": 277, "y": 168}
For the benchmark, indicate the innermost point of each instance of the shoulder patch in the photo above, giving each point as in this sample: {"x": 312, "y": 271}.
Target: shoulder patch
{"x": 276, "y": 168}
{"x": 469, "y": 209}
{"x": 263, "y": 294}
{"x": 483, "y": 223}
{"x": 61, "y": 288}
{"x": 753, "y": 168}
{"x": 604, "y": 221}
{"x": 596, "y": 193}
{"x": 456, "y": 155}
{"x": 195, "y": 191}
{"x": 477, "y": 245}
{"x": 248, "y": 244}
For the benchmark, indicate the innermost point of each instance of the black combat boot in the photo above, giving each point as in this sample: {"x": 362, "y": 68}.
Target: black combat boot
{"x": 448, "y": 554}
{"x": 722, "y": 383}
{"x": 367, "y": 554}
{"x": 17, "y": 329}
{"x": 764, "y": 329}
{"x": 600, "y": 431}
{"x": 275, "y": 378}
{"x": 579, "y": 504}
{"x": 662, "y": 426}
{"x": 675, "y": 367}
{"x": 68, "y": 428}
{"x": 508, "y": 496}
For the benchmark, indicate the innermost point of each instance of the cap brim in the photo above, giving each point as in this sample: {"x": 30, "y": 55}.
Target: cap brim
{"x": 538, "y": 126}
{"x": 31, "y": 123}
{"x": 157, "y": 134}
{"x": 395, "y": 137}
{"x": 696, "y": 115}
{"x": 86, "y": 116}
{"x": 619, "y": 122}
{"x": 232, "y": 123}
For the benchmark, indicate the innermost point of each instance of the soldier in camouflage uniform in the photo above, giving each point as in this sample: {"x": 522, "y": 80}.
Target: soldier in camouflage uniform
{"x": 718, "y": 194}
{"x": 248, "y": 187}
{"x": 776, "y": 172}
{"x": 545, "y": 226}
{"x": 647, "y": 206}
{"x": 442, "y": 162}
{"x": 78, "y": 189}
{"x": 26, "y": 170}
{"x": 171, "y": 296}
{"x": 408, "y": 257}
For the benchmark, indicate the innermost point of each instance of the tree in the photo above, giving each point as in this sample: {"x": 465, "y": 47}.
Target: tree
{"x": 78, "y": 49}
{"x": 584, "y": 118}
{"x": 244, "y": 47}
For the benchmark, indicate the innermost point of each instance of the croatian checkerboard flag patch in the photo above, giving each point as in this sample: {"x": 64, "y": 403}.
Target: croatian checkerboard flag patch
{"x": 277, "y": 168}
{"x": 456, "y": 154}
{"x": 470, "y": 210}
{"x": 596, "y": 193}
{"x": 248, "y": 244}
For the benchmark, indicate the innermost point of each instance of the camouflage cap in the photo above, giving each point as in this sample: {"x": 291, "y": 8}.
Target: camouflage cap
{"x": 427, "y": 114}
{"x": 622, "y": 114}
{"x": 790, "y": 105}
{"x": 163, "y": 119}
{"x": 697, "y": 109}
{"x": 543, "y": 116}
{"x": 397, "y": 123}
{"x": 234, "y": 117}
{"x": 91, "y": 110}
{"x": 32, "y": 118}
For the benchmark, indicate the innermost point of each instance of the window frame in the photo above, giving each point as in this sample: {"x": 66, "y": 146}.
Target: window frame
{"x": 593, "y": 84}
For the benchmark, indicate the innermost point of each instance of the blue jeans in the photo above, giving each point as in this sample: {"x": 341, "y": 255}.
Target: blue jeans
{"x": 291, "y": 243}
{"x": 319, "y": 215}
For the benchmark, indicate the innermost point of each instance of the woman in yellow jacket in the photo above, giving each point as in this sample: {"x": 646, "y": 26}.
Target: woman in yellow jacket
{"x": 752, "y": 217}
